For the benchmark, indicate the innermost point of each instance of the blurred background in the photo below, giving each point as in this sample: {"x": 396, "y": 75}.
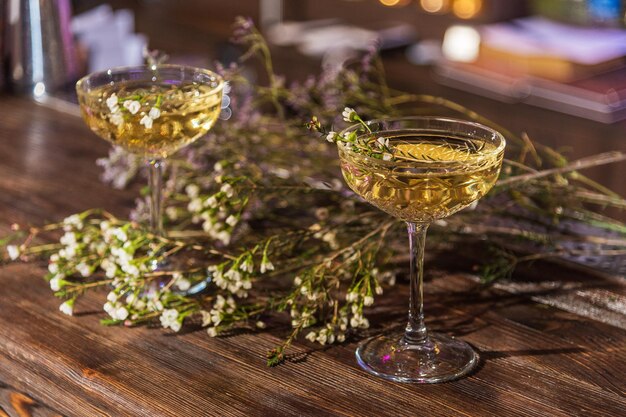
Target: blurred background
{"x": 554, "y": 69}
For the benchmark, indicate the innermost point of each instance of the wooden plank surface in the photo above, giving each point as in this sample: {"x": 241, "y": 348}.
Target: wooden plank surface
{"x": 536, "y": 360}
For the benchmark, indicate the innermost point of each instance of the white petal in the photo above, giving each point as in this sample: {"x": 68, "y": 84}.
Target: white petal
{"x": 154, "y": 113}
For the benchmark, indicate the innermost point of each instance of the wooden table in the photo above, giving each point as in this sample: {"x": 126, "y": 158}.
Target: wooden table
{"x": 536, "y": 360}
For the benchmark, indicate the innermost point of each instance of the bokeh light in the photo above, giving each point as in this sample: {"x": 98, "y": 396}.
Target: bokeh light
{"x": 466, "y": 9}
{"x": 435, "y": 6}
{"x": 394, "y": 3}
{"x": 461, "y": 43}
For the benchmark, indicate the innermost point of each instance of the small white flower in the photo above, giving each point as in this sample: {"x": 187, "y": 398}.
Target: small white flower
{"x": 228, "y": 190}
{"x": 311, "y": 336}
{"x": 112, "y": 297}
{"x": 368, "y": 300}
{"x": 112, "y": 101}
{"x": 212, "y": 331}
{"x": 154, "y": 113}
{"x": 232, "y": 221}
{"x": 352, "y": 297}
{"x": 348, "y": 114}
{"x": 211, "y": 202}
{"x": 266, "y": 266}
{"x": 382, "y": 142}
{"x": 132, "y": 106}
{"x": 67, "y": 308}
{"x": 224, "y": 237}
{"x": 146, "y": 121}
{"x": 68, "y": 239}
{"x": 13, "y": 251}
{"x": 83, "y": 269}
{"x": 192, "y": 190}
{"x": 379, "y": 290}
{"x": 354, "y": 322}
{"x": 341, "y": 337}
{"x": 109, "y": 308}
{"x": 260, "y": 325}
{"x": 206, "y": 318}
{"x": 331, "y": 136}
{"x": 386, "y": 157}
{"x": 218, "y": 167}
{"x": 72, "y": 221}
{"x": 55, "y": 284}
{"x": 53, "y": 267}
{"x": 121, "y": 235}
{"x": 121, "y": 313}
{"x": 297, "y": 281}
{"x": 233, "y": 274}
{"x": 195, "y": 205}
{"x": 117, "y": 118}
{"x": 168, "y": 318}
{"x": 176, "y": 326}
{"x": 69, "y": 251}
{"x": 216, "y": 317}
{"x": 183, "y": 284}
{"x": 131, "y": 299}
{"x": 247, "y": 265}
{"x": 110, "y": 268}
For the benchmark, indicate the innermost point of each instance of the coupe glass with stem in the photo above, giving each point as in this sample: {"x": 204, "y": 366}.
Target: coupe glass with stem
{"x": 151, "y": 111}
{"x": 434, "y": 167}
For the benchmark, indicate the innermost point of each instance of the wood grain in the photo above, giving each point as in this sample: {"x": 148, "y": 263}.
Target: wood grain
{"x": 535, "y": 360}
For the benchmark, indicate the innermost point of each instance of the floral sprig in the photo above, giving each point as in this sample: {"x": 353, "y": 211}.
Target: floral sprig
{"x": 361, "y": 140}
{"x": 131, "y": 105}
{"x": 266, "y": 236}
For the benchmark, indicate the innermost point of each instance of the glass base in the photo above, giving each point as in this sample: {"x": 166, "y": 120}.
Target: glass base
{"x": 442, "y": 358}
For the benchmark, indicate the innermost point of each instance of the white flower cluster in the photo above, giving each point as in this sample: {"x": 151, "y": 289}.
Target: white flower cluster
{"x": 116, "y": 116}
{"x": 235, "y": 279}
{"x": 213, "y": 211}
{"x": 331, "y": 333}
{"x": 170, "y": 318}
{"x": 120, "y": 308}
{"x": 132, "y": 106}
{"x": 73, "y": 243}
{"x": 221, "y": 308}
{"x": 115, "y": 308}
{"x": 302, "y": 318}
{"x": 148, "y": 119}
{"x": 120, "y": 260}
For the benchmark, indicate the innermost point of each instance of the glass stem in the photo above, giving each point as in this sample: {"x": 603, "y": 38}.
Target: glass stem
{"x": 416, "y": 333}
{"x": 155, "y": 167}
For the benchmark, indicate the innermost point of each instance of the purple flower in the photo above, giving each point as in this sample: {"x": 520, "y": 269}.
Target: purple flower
{"x": 243, "y": 27}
